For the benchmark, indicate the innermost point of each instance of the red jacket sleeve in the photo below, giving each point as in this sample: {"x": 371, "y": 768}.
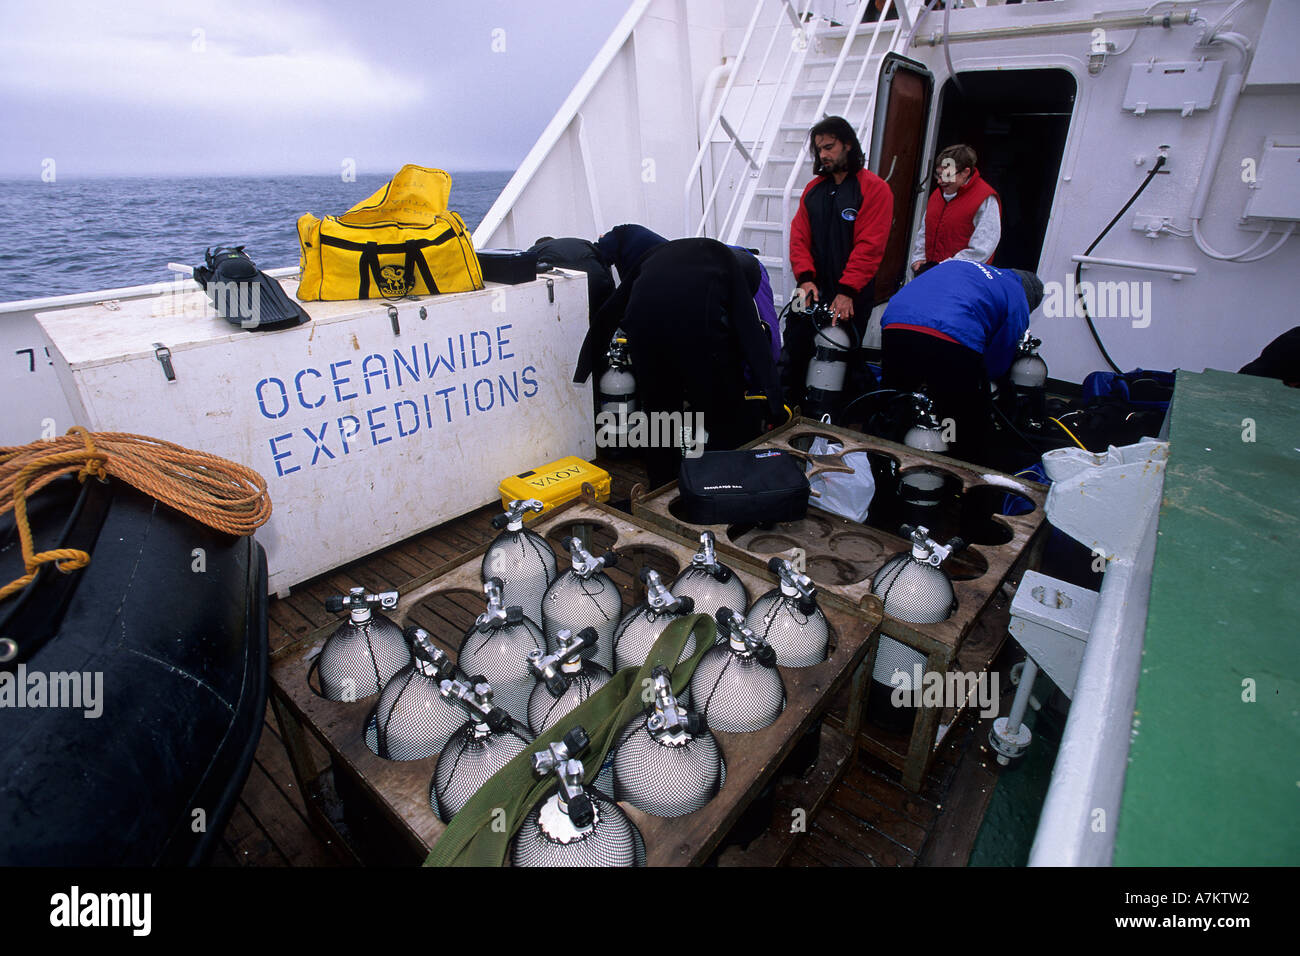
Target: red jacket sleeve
{"x": 801, "y": 257}
{"x": 870, "y": 232}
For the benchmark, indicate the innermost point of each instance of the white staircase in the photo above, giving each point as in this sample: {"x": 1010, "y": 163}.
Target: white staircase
{"x": 745, "y": 185}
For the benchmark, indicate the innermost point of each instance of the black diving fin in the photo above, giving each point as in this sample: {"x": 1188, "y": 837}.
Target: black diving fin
{"x": 244, "y": 296}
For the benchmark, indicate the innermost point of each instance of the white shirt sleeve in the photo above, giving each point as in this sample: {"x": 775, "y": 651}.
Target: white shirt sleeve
{"x": 985, "y": 235}
{"x": 918, "y": 247}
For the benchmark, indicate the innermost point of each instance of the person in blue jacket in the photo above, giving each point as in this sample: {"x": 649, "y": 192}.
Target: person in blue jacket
{"x": 951, "y": 331}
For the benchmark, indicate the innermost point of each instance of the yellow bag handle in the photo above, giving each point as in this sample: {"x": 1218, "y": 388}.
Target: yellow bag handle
{"x": 415, "y": 196}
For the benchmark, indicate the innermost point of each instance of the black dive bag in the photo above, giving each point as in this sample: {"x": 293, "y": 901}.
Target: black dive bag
{"x": 749, "y": 485}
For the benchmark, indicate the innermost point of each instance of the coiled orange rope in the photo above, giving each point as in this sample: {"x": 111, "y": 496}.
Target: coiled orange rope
{"x": 214, "y": 491}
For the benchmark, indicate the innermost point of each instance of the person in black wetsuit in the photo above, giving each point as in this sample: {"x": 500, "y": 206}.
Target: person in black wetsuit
{"x": 692, "y": 328}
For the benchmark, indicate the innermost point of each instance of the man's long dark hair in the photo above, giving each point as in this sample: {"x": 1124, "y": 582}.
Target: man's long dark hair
{"x": 838, "y": 127}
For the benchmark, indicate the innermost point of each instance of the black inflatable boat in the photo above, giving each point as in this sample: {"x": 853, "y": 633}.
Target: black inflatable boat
{"x": 134, "y": 691}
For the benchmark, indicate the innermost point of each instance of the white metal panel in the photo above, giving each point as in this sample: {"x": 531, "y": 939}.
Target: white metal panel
{"x": 365, "y": 437}
{"x": 1277, "y": 191}
{"x": 1182, "y": 85}
{"x": 1275, "y": 63}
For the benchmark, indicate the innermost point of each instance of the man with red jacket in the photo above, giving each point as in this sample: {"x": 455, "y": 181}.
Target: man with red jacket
{"x": 963, "y": 219}
{"x": 839, "y": 233}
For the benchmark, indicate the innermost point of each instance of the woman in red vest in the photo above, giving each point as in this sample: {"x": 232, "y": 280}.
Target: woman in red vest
{"x": 963, "y": 219}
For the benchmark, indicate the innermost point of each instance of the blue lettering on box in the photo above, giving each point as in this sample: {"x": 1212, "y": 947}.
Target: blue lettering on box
{"x": 278, "y": 456}
{"x": 376, "y": 429}
{"x": 412, "y": 367}
{"x": 529, "y": 381}
{"x": 261, "y": 399}
{"x": 502, "y": 342}
{"x": 302, "y": 400}
{"x": 320, "y": 442}
{"x": 354, "y": 426}
{"x": 338, "y": 382}
{"x": 473, "y": 348}
{"x": 367, "y": 373}
{"x": 397, "y": 410}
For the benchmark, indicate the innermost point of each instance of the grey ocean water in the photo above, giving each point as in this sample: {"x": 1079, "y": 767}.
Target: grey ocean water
{"x": 91, "y": 234}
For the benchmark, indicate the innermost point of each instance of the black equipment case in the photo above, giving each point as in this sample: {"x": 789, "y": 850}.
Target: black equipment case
{"x": 511, "y": 266}
{"x": 750, "y": 485}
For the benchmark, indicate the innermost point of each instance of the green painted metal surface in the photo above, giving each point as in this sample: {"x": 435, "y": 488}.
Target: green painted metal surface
{"x": 1214, "y": 770}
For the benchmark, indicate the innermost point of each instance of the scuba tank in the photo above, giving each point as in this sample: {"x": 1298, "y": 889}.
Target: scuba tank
{"x": 736, "y": 683}
{"x": 581, "y": 597}
{"x": 911, "y": 585}
{"x": 824, "y": 384}
{"x": 1028, "y": 378}
{"x": 497, "y": 646}
{"x": 788, "y": 618}
{"x": 575, "y": 826}
{"x": 912, "y": 588}
{"x": 482, "y": 746}
{"x": 521, "y": 559}
{"x": 638, "y": 631}
{"x": 709, "y": 583}
{"x": 412, "y": 719}
{"x": 667, "y": 763}
{"x": 365, "y": 651}
{"x": 565, "y": 679}
{"x": 924, "y": 492}
{"x": 926, "y": 433}
{"x": 616, "y": 393}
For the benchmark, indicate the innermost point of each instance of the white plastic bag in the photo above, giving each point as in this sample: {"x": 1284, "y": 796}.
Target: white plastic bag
{"x": 848, "y": 496}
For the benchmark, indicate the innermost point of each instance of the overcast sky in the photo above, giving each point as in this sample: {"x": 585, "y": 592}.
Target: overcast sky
{"x": 290, "y": 86}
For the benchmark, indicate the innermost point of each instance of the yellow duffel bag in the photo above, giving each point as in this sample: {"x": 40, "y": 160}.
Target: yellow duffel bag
{"x": 402, "y": 240}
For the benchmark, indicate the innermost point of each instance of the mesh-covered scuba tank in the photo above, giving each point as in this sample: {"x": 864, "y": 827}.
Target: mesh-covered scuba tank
{"x": 736, "y": 684}
{"x": 575, "y": 826}
{"x": 487, "y": 742}
{"x": 666, "y": 762}
{"x": 637, "y": 633}
{"x": 710, "y": 583}
{"x": 911, "y": 585}
{"x": 788, "y": 618}
{"x": 365, "y": 651}
{"x": 896, "y": 667}
{"x": 521, "y": 560}
{"x": 497, "y": 646}
{"x": 584, "y": 596}
{"x": 412, "y": 719}
{"x": 564, "y": 679}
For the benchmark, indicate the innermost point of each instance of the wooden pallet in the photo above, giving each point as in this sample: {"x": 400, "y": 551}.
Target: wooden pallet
{"x": 445, "y": 601}
{"x": 842, "y": 556}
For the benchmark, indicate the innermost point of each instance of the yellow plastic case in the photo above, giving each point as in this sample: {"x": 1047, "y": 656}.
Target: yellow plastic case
{"x": 555, "y": 483}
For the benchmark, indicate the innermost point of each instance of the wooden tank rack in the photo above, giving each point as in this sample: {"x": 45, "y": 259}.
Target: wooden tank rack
{"x": 981, "y": 568}
{"x": 396, "y": 793}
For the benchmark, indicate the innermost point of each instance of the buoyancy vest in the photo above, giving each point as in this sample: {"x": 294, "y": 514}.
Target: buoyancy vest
{"x": 949, "y": 223}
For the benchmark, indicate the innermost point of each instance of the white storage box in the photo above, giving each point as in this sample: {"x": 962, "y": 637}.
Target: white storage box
{"x": 365, "y": 435}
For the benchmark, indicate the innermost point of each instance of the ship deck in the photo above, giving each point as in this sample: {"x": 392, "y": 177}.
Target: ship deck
{"x": 868, "y": 819}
